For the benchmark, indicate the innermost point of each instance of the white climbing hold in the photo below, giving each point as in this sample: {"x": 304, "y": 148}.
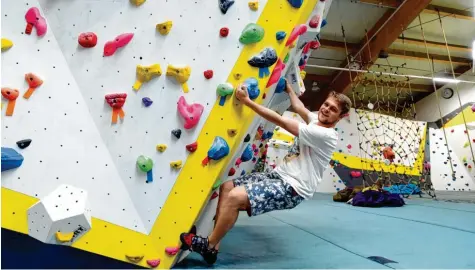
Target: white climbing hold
{"x": 370, "y": 106}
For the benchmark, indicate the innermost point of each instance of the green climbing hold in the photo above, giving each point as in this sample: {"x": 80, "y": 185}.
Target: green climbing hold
{"x": 224, "y": 89}
{"x": 252, "y": 33}
{"x": 286, "y": 59}
{"x": 217, "y": 184}
{"x": 145, "y": 164}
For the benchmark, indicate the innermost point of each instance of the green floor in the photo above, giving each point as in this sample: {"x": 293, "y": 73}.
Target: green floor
{"x": 323, "y": 234}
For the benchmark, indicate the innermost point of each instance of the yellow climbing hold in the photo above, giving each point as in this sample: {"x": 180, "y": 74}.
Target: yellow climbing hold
{"x": 161, "y": 147}
{"x": 164, "y": 28}
{"x": 237, "y": 76}
{"x": 6, "y": 44}
{"x": 176, "y": 164}
{"x": 137, "y": 2}
{"x": 254, "y": 5}
{"x": 146, "y": 73}
{"x": 466, "y": 144}
{"x": 64, "y": 237}
{"x": 134, "y": 258}
{"x": 181, "y": 74}
{"x": 232, "y": 132}
{"x": 302, "y": 74}
{"x": 464, "y": 159}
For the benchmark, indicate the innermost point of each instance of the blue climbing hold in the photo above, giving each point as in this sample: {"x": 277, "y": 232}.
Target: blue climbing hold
{"x": 252, "y": 88}
{"x": 267, "y": 135}
{"x": 324, "y": 22}
{"x": 247, "y": 154}
{"x": 280, "y": 85}
{"x": 301, "y": 62}
{"x": 217, "y": 151}
{"x": 224, "y": 5}
{"x": 295, "y": 3}
{"x": 263, "y": 60}
{"x": 243, "y": 172}
{"x": 280, "y": 35}
{"x": 147, "y": 101}
{"x": 11, "y": 159}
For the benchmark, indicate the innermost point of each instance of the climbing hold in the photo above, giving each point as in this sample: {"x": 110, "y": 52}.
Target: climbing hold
{"x": 176, "y": 164}
{"x": 145, "y": 164}
{"x": 355, "y": 174}
{"x": 264, "y": 96}
{"x": 247, "y": 138}
{"x": 279, "y": 36}
{"x": 214, "y": 196}
{"x": 266, "y": 58}
{"x": 172, "y": 250}
{"x": 252, "y": 88}
{"x": 116, "y": 101}
{"x": 153, "y": 263}
{"x": 349, "y": 146}
{"x": 6, "y": 44}
{"x": 120, "y": 41}
{"x": 145, "y": 74}
{"x": 137, "y": 2}
{"x": 11, "y": 159}
{"x": 238, "y": 162}
{"x": 388, "y": 153}
{"x": 23, "y": 143}
{"x": 252, "y": 33}
{"x": 237, "y": 76}
{"x": 224, "y": 89}
{"x": 370, "y": 106}
{"x": 224, "y": 5}
{"x": 181, "y": 74}
{"x": 253, "y": 5}
{"x": 232, "y": 132}
{"x": 217, "y": 184}
{"x": 466, "y": 144}
{"x": 208, "y": 74}
{"x": 473, "y": 108}
{"x": 276, "y": 73}
{"x": 87, "y": 40}
{"x": 11, "y": 95}
{"x": 191, "y": 113}
{"x": 161, "y": 147}
{"x": 303, "y": 74}
{"x": 224, "y": 31}
{"x": 192, "y": 147}
{"x": 267, "y": 135}
{"x": 296, "y": 32}
{"x": 164, "y": 28}
{"x": 64, "y": 237}
{"x": 286, "y": 59}
{"x": 314, "y": 21}
{"x": 295, "y": 3}
{"x": 147, "y": 101}
{"x": 217, "y": 151}
{"x": 231, "y": 172}
{"x": 243, "y": 173}
{"x": 280, "y": 85}
{"x": 247, "y": 154}
{"x": 177, "y": 133}
{"x": 134, "y": 258}
{"x": 34, "y": 19}
{"x": 33, "y": 83}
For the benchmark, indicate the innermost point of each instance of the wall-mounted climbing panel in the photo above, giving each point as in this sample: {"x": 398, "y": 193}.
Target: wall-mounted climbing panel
{"x": 112, "y": 109}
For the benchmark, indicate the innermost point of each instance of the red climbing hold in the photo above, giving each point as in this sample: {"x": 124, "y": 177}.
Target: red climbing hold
{"x": 238, "y": 162}
{"x": 298, "y": 30}
{"x": 87, "y": 40}
{"x": 314, "y": 21}
{"x": 192, "y": 147}
{"x": 214, "y": 196}
{"x": 355, "y": 174}
{"x": 208, "y": 74}
{"x": 172, "y": 250}
{"x": 276, "y": 73}
{"x": 224, "y": 32}
{"x": 231, "y": 172}
{"x": 120, "y": 41}
{"x": 191, "y": 113}
{"x": 116, "y": 101}
{"x": 153, "y": 263}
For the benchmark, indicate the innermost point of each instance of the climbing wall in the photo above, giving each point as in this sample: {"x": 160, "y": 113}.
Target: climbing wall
{"x": 75, "y": 140}
{"x": 451, "y": 161}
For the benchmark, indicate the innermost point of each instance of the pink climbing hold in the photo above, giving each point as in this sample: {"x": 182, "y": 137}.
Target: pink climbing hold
{"x": 355, "y": 174}
{"x": 238, "y": 162}
{"x": 214, "y": 196}
{"x": 190, "y": 113}
{"x": 153, "y": 263}
{"x": 473, "y": 108}
{"x": 314, "y": 44}
{"x": 276, "y": 73}
{"x": 298, "y": 30}
{"x": 34, "y": 19}
{"x": 349, "y": 146}
{"x": 172, "y": 250}
{"x": 314, "y": 21}
{"x": 120, "y": 41}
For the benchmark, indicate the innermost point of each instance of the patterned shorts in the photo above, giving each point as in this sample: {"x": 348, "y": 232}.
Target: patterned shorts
{"x": 267, "y": 192}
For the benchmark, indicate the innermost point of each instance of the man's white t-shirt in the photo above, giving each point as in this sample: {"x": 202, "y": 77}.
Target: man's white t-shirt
{"x": 308, "y": 158}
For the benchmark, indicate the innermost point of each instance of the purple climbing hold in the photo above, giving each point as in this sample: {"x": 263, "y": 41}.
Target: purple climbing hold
{"x": 295, "y": 3}
{"x": 147, "y": 101}
{"x": 224, "y": 5}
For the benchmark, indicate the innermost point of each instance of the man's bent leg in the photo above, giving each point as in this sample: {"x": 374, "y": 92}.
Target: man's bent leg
{"x": 224, "y": 190}
{"x": 229, "y": 211}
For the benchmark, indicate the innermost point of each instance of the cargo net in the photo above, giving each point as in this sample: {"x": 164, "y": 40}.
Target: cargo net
{"x": 390, "y": 140}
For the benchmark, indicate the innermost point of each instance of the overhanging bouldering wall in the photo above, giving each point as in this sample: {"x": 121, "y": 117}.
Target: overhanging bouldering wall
{"x": 89, "y": 125}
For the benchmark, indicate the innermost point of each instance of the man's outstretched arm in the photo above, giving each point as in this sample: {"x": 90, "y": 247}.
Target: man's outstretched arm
{"x": 296, "y": 104}
{"x": 288, "y": 124}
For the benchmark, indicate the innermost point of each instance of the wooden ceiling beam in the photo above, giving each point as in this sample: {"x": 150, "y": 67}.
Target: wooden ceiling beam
{"x": 423, "y": 56}
{"x": 432, "y": 44}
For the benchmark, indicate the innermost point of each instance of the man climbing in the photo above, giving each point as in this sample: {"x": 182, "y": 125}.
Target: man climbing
{"x": 295, "y": 180}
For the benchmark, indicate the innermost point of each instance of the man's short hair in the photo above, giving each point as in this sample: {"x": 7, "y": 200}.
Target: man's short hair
{"x": 343, "y": 100}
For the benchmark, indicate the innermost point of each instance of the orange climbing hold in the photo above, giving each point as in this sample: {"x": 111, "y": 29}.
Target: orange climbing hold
{"x": 33, "y": 83}
{"x": 11, "y": 95}
{"x": 116, "y": 101}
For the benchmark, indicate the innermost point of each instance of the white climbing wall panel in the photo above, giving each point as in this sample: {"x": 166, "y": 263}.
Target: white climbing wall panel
{"x": 67, "y": 118}
{"x": 457, "y": 177}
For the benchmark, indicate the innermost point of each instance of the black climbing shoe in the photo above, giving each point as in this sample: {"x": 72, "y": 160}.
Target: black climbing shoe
{"x": 195, "y": 243}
